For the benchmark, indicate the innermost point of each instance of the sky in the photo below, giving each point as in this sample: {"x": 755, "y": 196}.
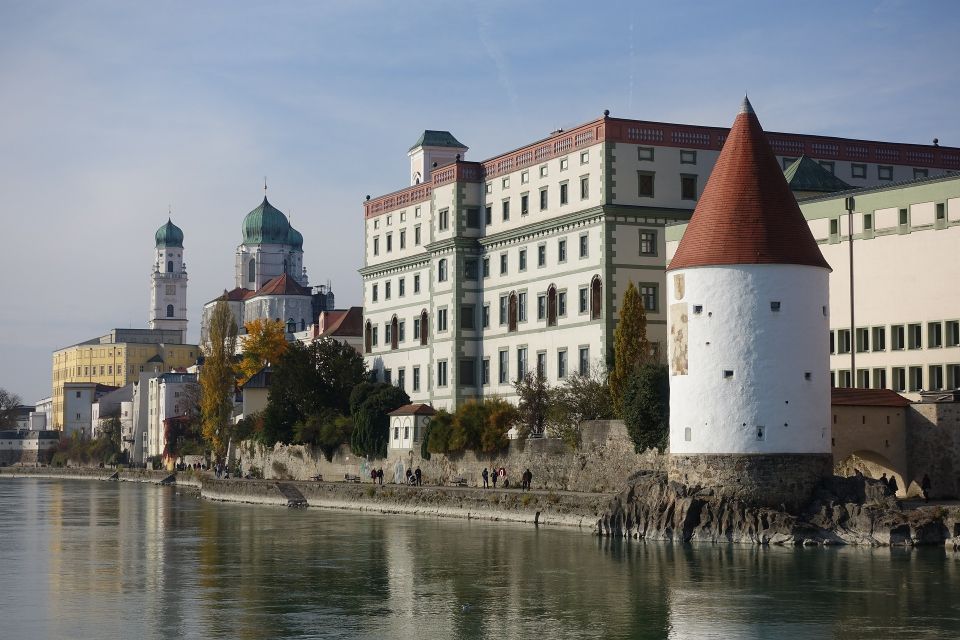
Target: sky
{"x": 114, "y": 113}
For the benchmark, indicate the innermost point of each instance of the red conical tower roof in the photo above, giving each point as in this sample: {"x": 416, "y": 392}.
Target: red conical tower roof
{"x": 747, "y": 213}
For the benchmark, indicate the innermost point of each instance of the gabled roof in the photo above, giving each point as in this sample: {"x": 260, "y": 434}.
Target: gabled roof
{"x": 282, "y": 285}
{"x": 234, "y": 295}
{"x": 430, "y": 138}
{"x": 867, "y": 398}
{"x": 259, "y": 380}
{"x": 806, "y": 174}
{"x": 413, "y": 409}
{"x": 155, "y": 358}
{"x": 343, "y": 323}
{"x": 747, "y": 213}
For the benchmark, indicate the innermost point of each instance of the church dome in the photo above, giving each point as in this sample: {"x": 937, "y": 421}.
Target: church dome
{"x": 169, "y": 235}
{"x": 265, "y": 225}
{"x": 295, "y": 238}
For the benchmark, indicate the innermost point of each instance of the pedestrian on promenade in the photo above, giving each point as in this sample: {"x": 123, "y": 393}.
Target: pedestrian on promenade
{"x": 486, "y": 477}
{"x": 373, "y": 476}
{"x": 527, "y": 479}
{"x": 494, "y": 477}
{"x": 409, "y": 474}
{"x": 925, "y": 485}
{"x": 894, "y": 487}
{"x": 419, "y": 477}
{"x": 885, "y": 480}
{"x": 380, "y": 475}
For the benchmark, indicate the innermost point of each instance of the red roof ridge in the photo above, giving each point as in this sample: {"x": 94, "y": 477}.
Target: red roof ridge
{"x": 416, "y": 408}
{"x": 747, "y": 213}
{"x": 867, "y": 398}
{"x": 282, "y": 285}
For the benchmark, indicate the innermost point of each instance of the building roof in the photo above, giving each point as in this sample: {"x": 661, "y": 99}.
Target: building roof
{"x": 867, "y": 398}
{"x": 294, "y": 238}
{"x": 169, "y": 235}
{"x": 747, "y": 213}
{"x": 266, "y": 225}
{"x": 282, "y": 285}
{"x": 156, "y": 358}
{"x": 430, "y": 138}
{"x": 259, "y": 380}
{"x": 340, "y": 322}
{"x": 417, "y": 409}
{"x": 806, "y": 174}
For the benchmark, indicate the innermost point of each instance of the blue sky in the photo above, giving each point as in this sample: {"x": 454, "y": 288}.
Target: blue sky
{"x": 113, "y": 111}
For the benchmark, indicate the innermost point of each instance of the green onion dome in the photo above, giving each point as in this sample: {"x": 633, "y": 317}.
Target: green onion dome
{"x": 266, "y": 225}
{"x": 169, "y": 235}
{"x": 295, "y": 239}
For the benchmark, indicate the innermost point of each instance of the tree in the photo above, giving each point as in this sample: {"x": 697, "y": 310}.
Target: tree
{"x": 370, "y": 402}
{"x": 582, "y": 397}
{"x": 265, "y": 343}
{"x": 217, "y": 380}
{"x": 646, "y": 407}
{"x": 8, "y": 407}
{"x": 501, "y": 415}
{"x": 533, "y": 408}
{"x": 630, "y": 346}
{"x": 327, "y": 430}
{"x": 438, "y": 433}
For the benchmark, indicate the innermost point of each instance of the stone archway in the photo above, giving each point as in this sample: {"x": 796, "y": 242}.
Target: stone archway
{"x": 874, "y": 465}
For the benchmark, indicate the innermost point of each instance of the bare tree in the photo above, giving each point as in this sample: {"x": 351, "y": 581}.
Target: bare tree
{"x": 8, "y": 408}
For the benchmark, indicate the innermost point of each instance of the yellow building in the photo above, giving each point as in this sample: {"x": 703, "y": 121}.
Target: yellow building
{"x": 117, "y": 359}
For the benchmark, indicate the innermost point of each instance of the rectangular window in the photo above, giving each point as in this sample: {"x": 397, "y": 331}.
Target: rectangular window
{"x": 541, "y": 255}
{"x": 402, "y": 378}
{"x": 374, "y": 337}
{"x": 522, "y": 307}
{"x": 416, "y": 378}
{"x": 543, "y": 199}
{"x": 648, "y": 295}
{"x": 904, "y": 217}
{"x": 561, "y": 364}
{"x": 879, "y": 338}
{"x": 503, "y": 264}
{"x": 914, "y": 336}
{"x": 584, "y": 245}
{"x": 899, "y": 379}
{"x": 917, "y": 174}
{"x": 953, "y": 333}
{"x": 916, "y": 378}
{"x": 416, "y": 235}
{"x": 879, "y": 378}
{"x": 583, "y": 297}
{"x": 884, "y": 172}
{"x": 584, "y": 187}
{"x": 541, "y": 307}
{"x": 564, "y": 163}
{"x": 485, "y": 371}
{"x": 416, "y": 283}
{"x": 470, "y": 269}
{"x": 843, "y": 338}
{"x": 827, "y": 165}
{"x": 584, "y": 157}
{"x": 386, "y": 290}
{"x": 468, "y": 314}
{"x": 505, "y": 208}
{"x": 473, "y": 218}
{"x": 868, "y": 221}
{"x": 444, "y": 219}
{"x": 376, "y": 246}
{"x": 401, "y": 287}
{"x": 486, "y": 316}
{"x": 542, "y": 364}
{"x": 504, "y": 372}
{"x": 941, "y": 211}
{"x": 584, "y": 361}
{"x": 563, "y": 193}
{"x": 442, "y": 373}
{"x": 562, "y": 250}
{"x": 648, "y": 243}
{"x": 416, "y": 328}
{"x": 441, "y": 319}
{"x": 645, "y": 153}
{"x": 468, "y": 372}
{"x": 373, "y": 292}
{"x": 521, "y": 362}
{"x": 858, "y": 170}
{"x": 524, "y": 177}
{"x": 562, "y": 303}
{"x": 524, "y": 204}
{"x": 934, "y": 335}
{"x": 488, "y": 215}
{"x": 936, "y": 377}
{"x": 863, "y": 340}
{"x": 834, "y": 227}
{"x": 645, "y": 184}
{"x": 898, "y": 337}
{"x": 403, "y": 238}
{"x": 503, "y": 310}
{"x": 486, "y": 267}
{"x": 688, "y": 187}
{"x": 863, "y": 378}
{"x": 688, "y": 157}
{"x": 523, "y": 260}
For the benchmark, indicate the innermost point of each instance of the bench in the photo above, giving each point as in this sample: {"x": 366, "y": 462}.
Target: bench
{"x": 458, "y": 481}
{"x": 349, "y": 477}
{"x": 317, "y": 478}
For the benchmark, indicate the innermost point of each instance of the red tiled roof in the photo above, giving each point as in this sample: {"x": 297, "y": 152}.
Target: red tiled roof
{"x": 234, "y": 295}
{"x": 282, "y": 285}
{"x": 343, "y": 323}
{"x": 413, "y": 409}
{"x": 747, "y": 213}
{"x": 867, "y": 398}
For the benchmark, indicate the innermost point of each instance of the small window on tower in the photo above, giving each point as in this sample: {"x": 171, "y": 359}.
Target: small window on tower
{"x": 698, "y": 309}
{"x": 687, "y": 434}
{"x": 761, "y": 433}
{"x": 807, "y": 375}
{"x": 774, "y": 305}
{"x": 728, "y": 373}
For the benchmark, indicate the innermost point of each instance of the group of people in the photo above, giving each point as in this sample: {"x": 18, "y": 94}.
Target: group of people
{"x": 892, "y": 484}
{"x": 376, "y": 475}
{"x": 415, "y": 477}
{"x": 492, "y": 476}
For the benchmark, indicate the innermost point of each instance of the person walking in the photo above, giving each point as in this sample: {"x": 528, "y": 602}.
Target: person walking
{"x": 894, "y": 487}
{"x": 527, "y": 479}
{"x": 494, "y": 477}
{"x": 486, "y": 478}
{"x": 419, "y": 477}
{"x": 380, "y": 475}
{"x": 925, "y": 486}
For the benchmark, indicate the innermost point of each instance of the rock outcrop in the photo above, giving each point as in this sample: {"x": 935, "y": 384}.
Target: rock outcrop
{"x": 853, "y": 510}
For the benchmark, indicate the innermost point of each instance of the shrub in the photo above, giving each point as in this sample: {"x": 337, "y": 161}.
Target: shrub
{"x": 646, "y": 407}
{"x": 279, "y": 470}
{"x": 439, "y": 437}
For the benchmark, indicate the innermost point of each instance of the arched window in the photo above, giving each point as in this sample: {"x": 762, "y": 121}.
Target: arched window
{"x": 512, "y": 312}
{"x": 169, "y": 266}
{"x": 169, "y": 310}
{"x": 551, "y": 306}
{"x": 442, "y": 270}
{"x": 367, "y": 332}
{"x": 394, "y": 333}
{"x": 595, "y": 299}
{"x": 252, "y": 270}
{"x": 423, "y": 327}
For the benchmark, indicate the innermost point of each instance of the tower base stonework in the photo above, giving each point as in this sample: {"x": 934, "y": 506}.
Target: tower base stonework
{"x": 769, "y": 480}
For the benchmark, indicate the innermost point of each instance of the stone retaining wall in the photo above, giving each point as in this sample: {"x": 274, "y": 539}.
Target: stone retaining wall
{"x": 933, "y": 447}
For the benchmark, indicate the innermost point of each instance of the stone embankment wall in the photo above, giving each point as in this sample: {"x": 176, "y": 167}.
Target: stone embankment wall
{"x": 933, "y": 446}
{"x": 88, "y": 473}
{"x": 601, "y": 464}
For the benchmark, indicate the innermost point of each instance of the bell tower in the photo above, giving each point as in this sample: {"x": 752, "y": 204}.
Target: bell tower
{"x": 168, "y": 293}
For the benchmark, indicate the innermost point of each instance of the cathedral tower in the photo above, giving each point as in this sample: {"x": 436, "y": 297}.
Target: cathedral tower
{"x": 168, "y": 294}
{"x": 748, "y": 321}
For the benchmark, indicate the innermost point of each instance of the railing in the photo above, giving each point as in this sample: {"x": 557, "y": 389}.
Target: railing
{"x": 397, "y": 199}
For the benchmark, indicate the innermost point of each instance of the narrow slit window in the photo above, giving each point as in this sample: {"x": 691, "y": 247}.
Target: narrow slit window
{"x": 761, "y": 433}
{"x": 774, "y": 305}
{"x": 698, "y": 309}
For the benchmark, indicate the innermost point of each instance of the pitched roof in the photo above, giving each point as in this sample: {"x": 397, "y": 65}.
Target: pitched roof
{"x": 747, "y": 213}
{"x": 413, "y": 409}
{"x": 341, "y": 322}
{"x": 867, "y": 398}
{"x": 234, "y": 295}
{"x": 282, "y": 285}
{"x": 430, "y": 138}
{"x": 806, "y": 174}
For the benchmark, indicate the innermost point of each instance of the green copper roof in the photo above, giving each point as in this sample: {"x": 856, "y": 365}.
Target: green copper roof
{"x": 169, "y": 235}
{"x": 431, "y": 138}
{"x": 295, "y": 238}
{"x": 265, "y": 225}
{"x": 806, "y": 174}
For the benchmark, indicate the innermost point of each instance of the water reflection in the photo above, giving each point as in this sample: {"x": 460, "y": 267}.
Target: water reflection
{"x": 103, "y": 560}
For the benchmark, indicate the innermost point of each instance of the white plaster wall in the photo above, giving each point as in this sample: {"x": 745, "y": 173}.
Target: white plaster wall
{"x": 279, "y": 308}
{"x": 667, "y": 168}
{"x": 769, "y": 353}
{"x": 269, "y": 259}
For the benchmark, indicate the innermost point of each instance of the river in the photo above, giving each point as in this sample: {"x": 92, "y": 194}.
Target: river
{"x": 124, "y": 560}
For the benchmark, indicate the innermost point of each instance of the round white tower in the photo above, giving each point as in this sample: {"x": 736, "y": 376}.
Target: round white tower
{"x": 168, "y": 294}
{"x": 748, "y": 318}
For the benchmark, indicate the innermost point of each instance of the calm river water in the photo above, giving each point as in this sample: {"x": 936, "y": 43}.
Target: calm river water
{"x": 123, "y": 560}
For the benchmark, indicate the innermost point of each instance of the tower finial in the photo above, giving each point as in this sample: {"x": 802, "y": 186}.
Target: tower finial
{"x": 169, "y": 212}
{"x": 264, "y": 186}
{"x": 746, "y": 107}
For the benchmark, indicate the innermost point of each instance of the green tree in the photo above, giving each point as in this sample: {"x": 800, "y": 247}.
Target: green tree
{"x": 501, "y": 415}
{"x": 646, "y": 407}
{"x": 327, "y": 430}
{"x": 8, "y": 406}
{"x": 217, "y": 379}
{"x": 534, "y": 405}
{"x": 631, "y": 349}
{"x": 469, "y": 423}
{"x": 370, "y": 402}
{"x": 438, "y": 436}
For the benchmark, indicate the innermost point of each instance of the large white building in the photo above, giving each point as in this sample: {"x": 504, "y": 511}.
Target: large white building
{"x": 169, "y": 395}
{"x": 480, "y": 271}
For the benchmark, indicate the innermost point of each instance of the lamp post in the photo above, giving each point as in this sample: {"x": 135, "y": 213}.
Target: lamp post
{"x": 850, "y": 203}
